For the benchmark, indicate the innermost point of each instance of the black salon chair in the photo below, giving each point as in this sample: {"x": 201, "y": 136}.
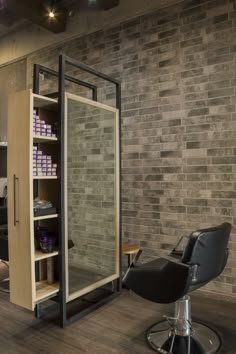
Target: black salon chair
{"x": 170, "y": 279}
{"x": 4, "y": 257}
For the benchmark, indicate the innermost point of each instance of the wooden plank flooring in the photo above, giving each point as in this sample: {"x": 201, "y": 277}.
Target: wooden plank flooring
{"x": 116, "y": 328}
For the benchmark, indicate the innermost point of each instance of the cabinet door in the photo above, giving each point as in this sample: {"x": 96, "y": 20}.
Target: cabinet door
{"x": 20, "y": 199}
{"x": 91, "y": 195}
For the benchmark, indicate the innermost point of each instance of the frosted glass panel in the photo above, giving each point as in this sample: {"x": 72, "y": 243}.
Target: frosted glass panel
{"x": 91, "y": 194}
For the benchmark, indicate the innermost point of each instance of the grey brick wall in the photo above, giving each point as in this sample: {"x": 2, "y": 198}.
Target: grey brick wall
{"x": 178, "y": 72}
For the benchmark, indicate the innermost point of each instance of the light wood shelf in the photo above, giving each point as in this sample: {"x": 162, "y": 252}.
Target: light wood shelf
{"x": 44, "y": 290}
{"x": 45, "y": 177}
{"x": 43, "y": 139}
{"x": 39, "y": 255}
{"x": 44, "y": 102}
{"x": 45, "y": 217}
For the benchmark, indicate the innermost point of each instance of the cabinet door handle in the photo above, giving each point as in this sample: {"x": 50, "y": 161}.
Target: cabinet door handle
{"x": 14, "y": 196}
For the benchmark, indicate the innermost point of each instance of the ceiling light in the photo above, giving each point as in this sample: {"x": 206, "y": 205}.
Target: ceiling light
{"x": 51, "y": 14}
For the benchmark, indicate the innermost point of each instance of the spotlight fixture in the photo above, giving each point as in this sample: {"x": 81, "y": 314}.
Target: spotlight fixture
{"x": 51, "y": 14}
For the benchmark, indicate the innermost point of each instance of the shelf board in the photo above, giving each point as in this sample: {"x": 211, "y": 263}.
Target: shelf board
{"x": 45, "y": 177}
{"x": 38, "y": 255}
{"x": 44, "y": 290}
{"x": 45, "y": 217}
{"x": 43, "y": 139}
{"x": 44, "y": 102}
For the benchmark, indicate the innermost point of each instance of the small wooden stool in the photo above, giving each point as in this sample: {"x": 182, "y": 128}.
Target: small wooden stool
{"x": 129, "y": 250}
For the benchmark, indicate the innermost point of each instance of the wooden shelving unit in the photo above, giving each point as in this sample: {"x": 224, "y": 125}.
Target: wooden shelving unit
{"x": 29, "y": 269}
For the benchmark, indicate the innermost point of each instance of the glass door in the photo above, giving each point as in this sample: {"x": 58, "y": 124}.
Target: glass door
{"x": 91, "y": 195}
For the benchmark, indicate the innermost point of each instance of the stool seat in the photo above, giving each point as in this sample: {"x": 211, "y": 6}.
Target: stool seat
{"x": 128, "y": 248}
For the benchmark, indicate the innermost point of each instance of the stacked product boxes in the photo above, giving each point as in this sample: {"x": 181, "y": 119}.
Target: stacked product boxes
{"x": 40, "y": 128}
{"x": 42, "y": 164}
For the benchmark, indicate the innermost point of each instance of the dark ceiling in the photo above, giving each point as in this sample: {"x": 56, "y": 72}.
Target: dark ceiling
{"x": 13, "y": 12}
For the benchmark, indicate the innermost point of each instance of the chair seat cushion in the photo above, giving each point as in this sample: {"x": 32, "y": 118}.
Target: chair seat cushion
{"x": 161, "y": 280}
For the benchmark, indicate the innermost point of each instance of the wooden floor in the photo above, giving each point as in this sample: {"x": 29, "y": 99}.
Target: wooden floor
{"x": 117, "y": 327}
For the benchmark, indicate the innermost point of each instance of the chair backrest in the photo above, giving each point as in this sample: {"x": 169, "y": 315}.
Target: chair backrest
{"x": 207, "y": 252}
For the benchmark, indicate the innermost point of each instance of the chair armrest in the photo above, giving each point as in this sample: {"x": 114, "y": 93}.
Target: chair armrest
{"x": 176, "y": 261}
{"x": 178, "y": 252}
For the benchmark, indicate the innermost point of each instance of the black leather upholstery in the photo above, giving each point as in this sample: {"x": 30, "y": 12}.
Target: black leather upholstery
{"x": 3, "y": 215}
{"x": 3, "y": 234}
{"x": 166, "y": 280}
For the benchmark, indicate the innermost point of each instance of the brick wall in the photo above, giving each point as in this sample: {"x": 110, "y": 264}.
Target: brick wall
{"x": 178, "y": 72}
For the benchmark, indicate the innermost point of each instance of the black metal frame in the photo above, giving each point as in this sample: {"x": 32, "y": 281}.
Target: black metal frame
{"x": 62, "y": 77}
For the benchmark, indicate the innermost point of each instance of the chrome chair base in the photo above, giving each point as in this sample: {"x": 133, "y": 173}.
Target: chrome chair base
{"x": 179, "y": 335}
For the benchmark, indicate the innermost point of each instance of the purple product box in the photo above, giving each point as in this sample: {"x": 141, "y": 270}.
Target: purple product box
{"x": 49, "y": 157}
{"x": 43, "y": 134}
{"x": 40, "y": 153}
{"x": 34, "y": 169}
{"x": 35, "y": 148}
{"x": 38, "y": 125}
{"x": 44, "y": 165}
{"x": 48, "y": 126}
{"x": 34, "y": 174}
{"x": 49, "y": 134}
{"x": 44, "y": 169}
{"x": 54, "y": 174}
{"x": 39, "y": 158}
{"x": 54, "y": 170}
{"x": 49, "y": 170}
{"x": 54, "y": 165}
{"x": 42, "y": 121}
{"x": 44, "y": 161}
